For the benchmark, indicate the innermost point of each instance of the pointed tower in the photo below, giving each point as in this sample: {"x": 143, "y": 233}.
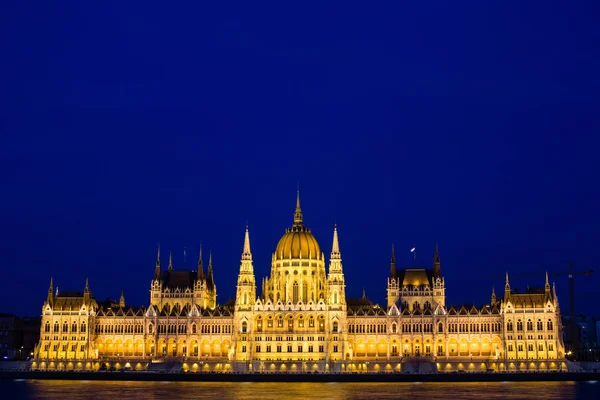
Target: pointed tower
{"x": 170, "y": 261}
{"x": 393, "y": 263}
{"x": 209, "y": 290}
{"x": 200, "y": 273}
{"x": 393, "y": 284}
{"x": 157, "y": 268}
{"x": 437, "y": 273}
{"x": 156, "y": 284}
{"x": 336, "y": 286}
{"x": 122, "y": 299}
{"x": 50, "y": 298}
{"x": 547, "y": 288}
{"x": 493, "y": 297}
{"x": 506, "y": 289}
{"x": 86, "y": 292}
{"x": 210, "y": 280}
{"x": 246, "y": 286}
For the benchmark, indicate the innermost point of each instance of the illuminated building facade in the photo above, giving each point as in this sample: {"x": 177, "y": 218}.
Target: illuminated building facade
{"x": 301, "y": 321}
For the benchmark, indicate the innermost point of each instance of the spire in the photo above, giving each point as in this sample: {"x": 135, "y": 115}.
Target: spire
{"x": 210, "y": 278}
{"x": 87, "y": 286}
{"x": 170, "y": 261}
{"x": 50, "y": 298}
{"x": 200, "y": 272}
{"x": 393, "y": 263}
{"x": 335, "y": 247}
{"x": 506, "y": 289}
{"x": 493, "y": 296}
{"x": 436, "y": 262}
{"x": 122, "y": 299}
{"x": 246, "y": 254}
{"x": 298, "y": 213}
{"x": 157, "y": 268}
{"x": 547, "y": 281}
{"x": 364, "y": 296}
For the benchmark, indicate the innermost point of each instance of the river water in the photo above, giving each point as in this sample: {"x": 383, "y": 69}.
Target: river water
{"x": 10, "y": 389}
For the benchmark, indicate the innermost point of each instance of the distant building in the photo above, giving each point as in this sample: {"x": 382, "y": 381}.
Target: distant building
{"x": 18, "y": 336}
{"x": 587, "y": 329}
{"x": 301, "y": 321}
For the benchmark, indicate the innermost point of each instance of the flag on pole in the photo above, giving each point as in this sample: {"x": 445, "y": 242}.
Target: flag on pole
{"x": 413, "y": 249}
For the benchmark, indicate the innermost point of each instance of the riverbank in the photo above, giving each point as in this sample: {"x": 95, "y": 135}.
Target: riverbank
{"x": 296, "y": 377}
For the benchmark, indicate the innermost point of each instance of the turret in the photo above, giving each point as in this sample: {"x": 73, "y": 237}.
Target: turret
{"x": 122, "y": 299}
{"x": 246, "y": 286}
{"x": 547, "y": 288}
{"x": 335, "y": 281}
{"x": 493, "y": 297}
{"x": 170, "y": 261}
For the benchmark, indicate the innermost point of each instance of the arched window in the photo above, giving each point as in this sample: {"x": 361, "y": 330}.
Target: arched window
{"x": 416, "y": 305}
{"x": 334, "y": 327}
{"x": 150, "y": 328}
{"x": 427, "y": 306}
{"x": 519, "y": 325}
{"x": 335, "y": 297}
{"x": 440, "y": 328}
{"x": 509, "y": 326}
{"x": 193, "y": 328}
{"x": 83, "y": 327}
{"x": 295, "y": 292}
{"x": 244, "y": 327}
{"x": 47, "y": 327}
{"x": 394, "y": 327}
{"x": 74, "y": 328}
{"x": 529, "y": 325}
{"x": 65, "y": 327}
{"x": 550, "y": 326}
{"x": 540, "y": 325}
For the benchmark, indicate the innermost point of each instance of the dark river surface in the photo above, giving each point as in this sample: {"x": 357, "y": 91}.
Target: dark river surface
{"x": 11, "y": 389}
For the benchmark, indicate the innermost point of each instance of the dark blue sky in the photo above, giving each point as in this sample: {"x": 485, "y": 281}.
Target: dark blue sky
{"x": 474, "y": 124}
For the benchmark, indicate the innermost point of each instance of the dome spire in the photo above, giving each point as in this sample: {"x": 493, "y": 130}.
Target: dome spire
{"x": 298, "y": 213}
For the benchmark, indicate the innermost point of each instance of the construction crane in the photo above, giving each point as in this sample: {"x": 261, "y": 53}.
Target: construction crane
{"x": 572, "y": 318}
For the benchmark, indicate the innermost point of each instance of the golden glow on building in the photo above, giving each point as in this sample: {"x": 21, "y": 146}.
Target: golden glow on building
{"x": 301, "y": 322}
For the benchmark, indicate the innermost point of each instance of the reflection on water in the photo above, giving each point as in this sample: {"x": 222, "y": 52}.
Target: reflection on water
{"x": 281, "y": 391}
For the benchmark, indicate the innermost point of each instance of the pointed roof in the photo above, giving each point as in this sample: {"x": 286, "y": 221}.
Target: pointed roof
{"x": 122, "y": 299}
{"x": 436, "y": 262}
{"x": 393, "y": 263}
{"x": 170, "y": 261}
{"x": 200, "y": 272}
{"x": 335, "y": 246}
{"x": 246, "y": 253}
{"x": 210, "y": 278}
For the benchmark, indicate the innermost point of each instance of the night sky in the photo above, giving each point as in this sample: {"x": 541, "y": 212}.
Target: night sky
{"x": 472, "y": 124}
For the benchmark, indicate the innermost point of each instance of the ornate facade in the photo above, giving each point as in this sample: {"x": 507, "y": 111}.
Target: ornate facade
{"x": 301, "y": 321}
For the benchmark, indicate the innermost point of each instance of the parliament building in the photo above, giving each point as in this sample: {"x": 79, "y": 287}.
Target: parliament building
{"x": 301, "y": 321}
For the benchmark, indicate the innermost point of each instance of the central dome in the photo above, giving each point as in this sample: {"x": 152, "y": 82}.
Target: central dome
{"x": 298, "y": 241}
